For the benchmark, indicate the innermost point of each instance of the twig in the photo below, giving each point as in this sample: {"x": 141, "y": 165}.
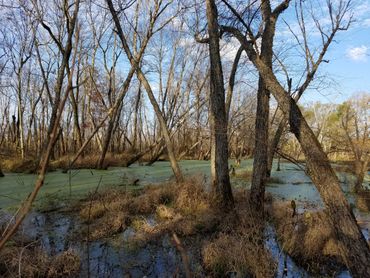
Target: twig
{"x": 184, "y": 256}
{"x": 88, "y": 227}
{"x": 20, "y": 257}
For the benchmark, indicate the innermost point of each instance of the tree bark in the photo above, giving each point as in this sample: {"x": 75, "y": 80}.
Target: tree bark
{"x": 218, "y": 117}
{"x": 76, "y": 122}
{"x": 260, "y": 146}
{"x": 156, "y": 155}
{"x": 360, "y": 168}
{"x": 20, "y": 110}
{"x": 262, "y": 116}
{"x": 274, "y": 145}
{"x": 106, "y": 142}
{"x": 353, "y": 247}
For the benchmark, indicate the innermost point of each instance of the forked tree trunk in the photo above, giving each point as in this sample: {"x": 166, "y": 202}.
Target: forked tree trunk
{"x": 353, "y": 247}
{"x": 76, "y": 122}
{"x": 144, "y": 81}
{"x": 218, "y": 117}
{"x": 274, "y": 143}
{"x": 164, "y": 129}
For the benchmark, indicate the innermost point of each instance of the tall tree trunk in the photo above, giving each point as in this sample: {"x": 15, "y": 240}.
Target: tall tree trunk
{"x": 20, "y": 110}
{"x": 274, "y": 143}
{"x": 77, "y": 128}
{"x": 360, "y": 168}
{"x": 107, "y": 141}
{"x": 218, "y": 117}
{"x": 136, "y": 119}
{"x": 262, "y": 116}
{"x": 353, "y": 247}
{"x": 260, "y": 146}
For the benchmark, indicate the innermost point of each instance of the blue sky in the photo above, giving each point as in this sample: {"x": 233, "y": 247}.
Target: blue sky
{"x": 349, "y": 60}
{"x": 348, "y": 69}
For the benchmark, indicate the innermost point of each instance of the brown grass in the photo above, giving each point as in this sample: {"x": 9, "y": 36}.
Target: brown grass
{"x": 23, "y": 257}
{"x": 29, "y": 165}
{"x": 363, "y": 201}
{"x": 31, "y": 261}
{"x": 231, "y": 242}
{"x": 111, "y": 211}
{"x": 17, "y": 165}
{"x": 244, "y": 174}
{"x": 89, "y": 161}
{"x": 308, "y": 238}
{"x": 66, "y": 264}
{"x": 239, "y": 247}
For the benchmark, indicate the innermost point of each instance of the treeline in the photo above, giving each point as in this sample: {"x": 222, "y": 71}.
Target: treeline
{"x": 108, "y": 106}
{"x": 343, "y": 132}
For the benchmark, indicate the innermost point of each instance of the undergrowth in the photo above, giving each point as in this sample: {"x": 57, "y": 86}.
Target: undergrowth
{"x": 29, "y": 260}
{"x": 308, "y": 238}
{"x": 231, "y": 242}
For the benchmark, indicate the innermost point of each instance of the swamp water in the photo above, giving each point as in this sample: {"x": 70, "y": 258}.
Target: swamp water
{"x": 114, "y": 257}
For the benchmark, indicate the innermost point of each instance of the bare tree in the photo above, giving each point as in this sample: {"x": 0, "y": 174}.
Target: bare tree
{"x": 356, "y": 252}
{"x": 59, "y": 103}
{"x": 218, "y": 117}
{"x": 158, "y": 9}
{"x": 354, "y": 117}
{"x": 19, "y": 41}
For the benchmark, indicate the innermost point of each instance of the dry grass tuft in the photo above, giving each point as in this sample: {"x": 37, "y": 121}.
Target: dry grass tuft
{"x": 192, "y": 199}
{"x": 239, "y": 247}
{"x": 110, "y": 211}
{"x": 66, "y": 264}
{"x": 96, "y": 211}
{"x": 187, "y": 211}
{"x": 308, "y": 238}
{"x": 237, "y": 253}
{"x": 111, "y": 224}
{"x": 166, "y": 213}
{"x": 231, "y": 242}
{"x": 363, "y": 201}
{"x": 31, "y": 261}
{"x": 244, "y": 174}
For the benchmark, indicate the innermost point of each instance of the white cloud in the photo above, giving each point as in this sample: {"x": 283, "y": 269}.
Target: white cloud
{"x": 229, "y": 49}
{"x": 366, "y": 22}
{"x": 359, "y": 53}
